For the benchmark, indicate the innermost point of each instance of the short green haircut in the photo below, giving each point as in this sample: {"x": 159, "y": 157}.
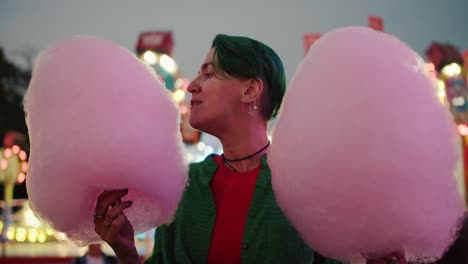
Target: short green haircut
{"x": 243, "y": 57}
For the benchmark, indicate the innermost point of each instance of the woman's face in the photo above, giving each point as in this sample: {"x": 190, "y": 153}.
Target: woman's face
{"x": 215, "y": 99}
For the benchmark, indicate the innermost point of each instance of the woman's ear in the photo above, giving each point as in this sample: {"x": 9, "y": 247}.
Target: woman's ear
{"x": 252, "y": 90}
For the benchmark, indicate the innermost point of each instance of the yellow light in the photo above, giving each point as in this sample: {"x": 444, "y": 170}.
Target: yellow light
{"x": 451, "y": 70}
{"x": 181, "y": 83}
{"x": 60, "y": 236}
{"x": 21, "y": 177}
{"x": 20, "y": 234}
{"x": 440, "y": 85}
{"x": 178, "y": 83}
{"x": 30, "y": 219}
{"x": 11, "y": 232}
{"x": 15, "y": 149}
{"x": 178, "y": 95}
{"x": 1, "y": 225}
{"x": 441, "y": 91}
{"x": 23, "y": 155}
{"x": 168, "y": 64}
{"x": 49, "y": 231}
{"x": 150, "y": 57}
{"x": 41, "y": 237}
{"x": 32, "y": 235}
{"x": 24, "y": 166}
{"x": 7, "y": 153}
{"x": 3, "y": 164}
{"x": 441, "y": 95}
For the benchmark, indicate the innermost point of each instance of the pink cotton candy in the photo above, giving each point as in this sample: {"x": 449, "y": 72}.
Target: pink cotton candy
{"x": 99, "y": 119}
{"x": 363, "y": 153}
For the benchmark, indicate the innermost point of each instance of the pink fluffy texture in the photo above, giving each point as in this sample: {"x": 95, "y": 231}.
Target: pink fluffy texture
{"x": 99, "y": 119}
{"x": 363, "y": 154}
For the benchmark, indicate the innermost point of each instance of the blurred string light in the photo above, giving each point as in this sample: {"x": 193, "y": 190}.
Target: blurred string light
{"x": 458, "y": 101}
{"x": 60, "y": 236}
{"x": 178, "y": 95}
{"x": 21, "y": 177}
{"x": 463, "y": 129}
{"x": 31, "y": 229}
{"x": 20, "y": 235}
{"x": 150, "y": 57}
{"x": 451, "y": 70}
{"x": 3, "y": 164}
{"x": 168, "y": 64}
{"x": 164, "y": 60}
{"x": 22, "y": 155}
{"x": 7, "y": 153}
{"x": 32, "y": 235}
{"x": 41, "y": 237}
{"x": 441, "y": 94}
{"x": 201, "y": 146}
{"x": 181, "y": 83}
{"x": 30, "y": 219}
{"x": 13, "y": 162}
{"x": 11, "y": 232}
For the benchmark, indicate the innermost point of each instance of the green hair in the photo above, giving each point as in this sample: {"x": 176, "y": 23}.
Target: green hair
{"x": 242, "y": 57}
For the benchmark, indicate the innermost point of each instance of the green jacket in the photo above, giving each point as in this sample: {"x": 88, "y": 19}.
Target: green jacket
{"x": 268, "y": 236}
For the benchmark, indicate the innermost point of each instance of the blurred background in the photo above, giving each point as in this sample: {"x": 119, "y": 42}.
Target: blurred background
{"x": 173, "y": 37}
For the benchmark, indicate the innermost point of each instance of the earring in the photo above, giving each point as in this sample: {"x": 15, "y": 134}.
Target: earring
{"x": 252, "y": 107}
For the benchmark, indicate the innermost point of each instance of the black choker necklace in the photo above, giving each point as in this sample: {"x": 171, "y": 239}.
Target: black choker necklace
{"x": 229, "y": 165}
{"x": 246, "y": 157}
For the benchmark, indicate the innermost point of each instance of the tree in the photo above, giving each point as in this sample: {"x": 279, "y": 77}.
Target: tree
{"x": 13, "y": 84}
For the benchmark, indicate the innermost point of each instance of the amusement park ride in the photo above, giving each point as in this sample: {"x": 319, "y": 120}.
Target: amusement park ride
{"x": 19, "y": 227}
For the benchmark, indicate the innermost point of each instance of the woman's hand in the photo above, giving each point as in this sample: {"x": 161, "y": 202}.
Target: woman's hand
{"x": 113, "y": 226}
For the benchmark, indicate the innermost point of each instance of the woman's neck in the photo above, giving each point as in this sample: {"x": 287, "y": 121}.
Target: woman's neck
{"x": 242, "y": 143}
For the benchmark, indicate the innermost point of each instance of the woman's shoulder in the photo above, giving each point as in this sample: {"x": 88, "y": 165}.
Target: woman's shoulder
{"x": 203, "y": 170}
{"x": 206, "y": 164}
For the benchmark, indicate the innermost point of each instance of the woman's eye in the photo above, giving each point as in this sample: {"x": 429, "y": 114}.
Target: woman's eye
{"x": 208, "y": 75}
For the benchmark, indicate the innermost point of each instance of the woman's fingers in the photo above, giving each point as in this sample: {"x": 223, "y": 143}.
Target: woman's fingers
{"x": 106, "y": 200}
{"x": 118, "y": 223}
{"x": 112, "y": 227}
{"x": 115, "y": 211}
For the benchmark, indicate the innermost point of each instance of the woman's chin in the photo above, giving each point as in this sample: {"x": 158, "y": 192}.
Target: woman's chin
{"x": 195, "y": 124}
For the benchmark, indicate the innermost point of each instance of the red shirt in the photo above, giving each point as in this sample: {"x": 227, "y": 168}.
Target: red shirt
{"x": 232, "y": 193}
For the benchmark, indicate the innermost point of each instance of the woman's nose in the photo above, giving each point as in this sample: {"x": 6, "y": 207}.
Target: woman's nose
{"x": 193, "y": 86}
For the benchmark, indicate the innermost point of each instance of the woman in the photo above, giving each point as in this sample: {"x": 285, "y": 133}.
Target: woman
{"x": 228, "y": 213}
